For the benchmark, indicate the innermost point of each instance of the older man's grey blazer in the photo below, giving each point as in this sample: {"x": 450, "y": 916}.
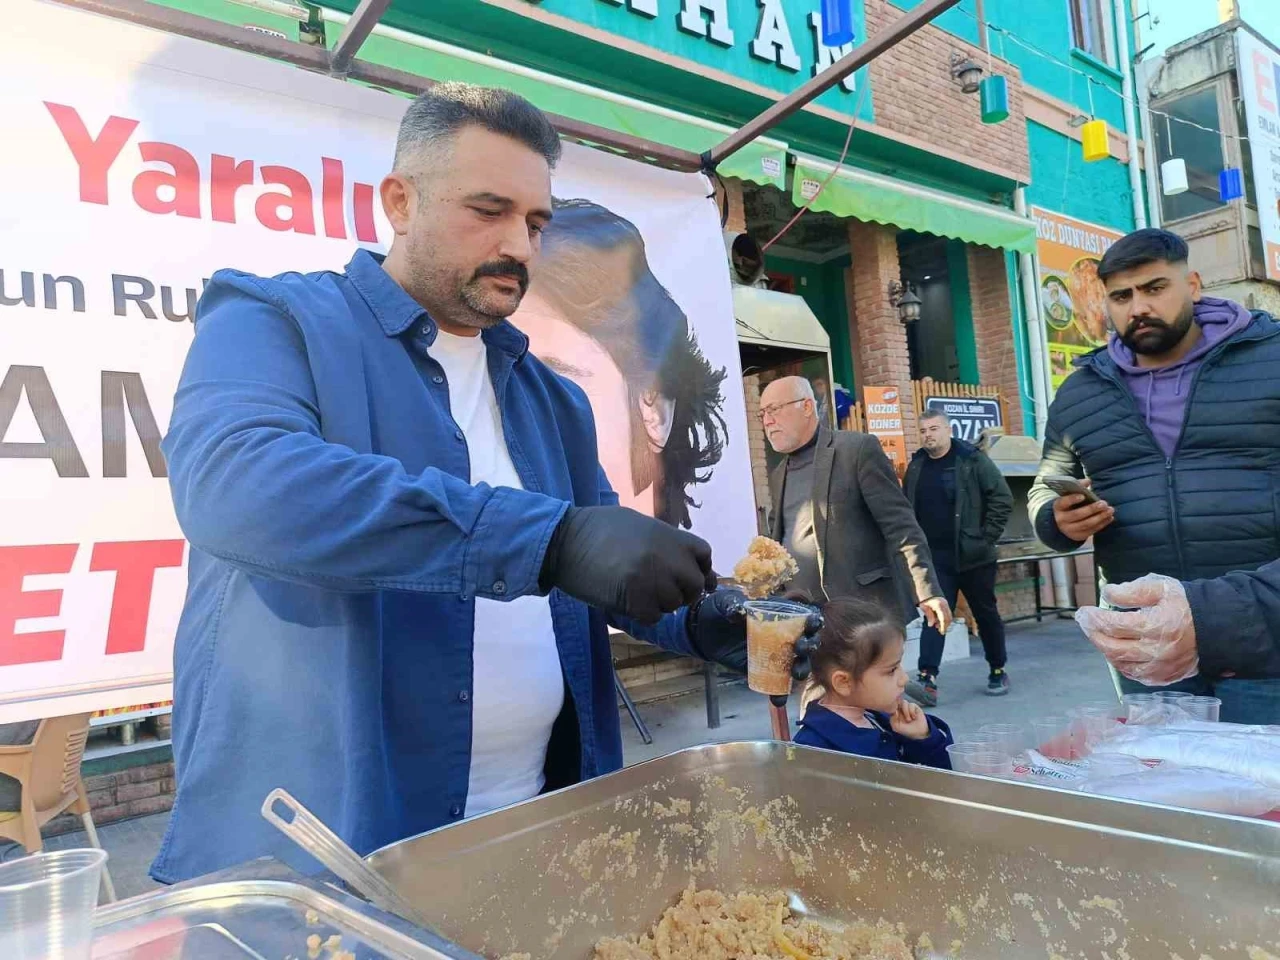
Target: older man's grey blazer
{"x": 867, "y": 532}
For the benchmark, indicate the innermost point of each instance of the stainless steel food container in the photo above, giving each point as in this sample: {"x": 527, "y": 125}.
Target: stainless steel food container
{"x": 260, "y": 911}
{"x": 987, "y": 869}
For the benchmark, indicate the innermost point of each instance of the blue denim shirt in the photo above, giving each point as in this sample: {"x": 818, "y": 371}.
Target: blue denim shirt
{"x": 337, "y": 549}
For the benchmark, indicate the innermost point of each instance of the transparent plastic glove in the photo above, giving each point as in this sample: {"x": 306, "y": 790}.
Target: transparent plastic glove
{"x": 1154, "y": 644}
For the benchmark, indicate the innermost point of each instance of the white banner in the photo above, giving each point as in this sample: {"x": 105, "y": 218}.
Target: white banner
{"x": 1259, "y": 67}
{"x": 146, "y": 161}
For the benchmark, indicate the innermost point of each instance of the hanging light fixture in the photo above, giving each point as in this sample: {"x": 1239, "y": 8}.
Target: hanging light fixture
{"x": 993, "y": 94}
{"x": 905, "y": 300}
{"x": 1094, "y": 139}
{"x": 1231, "y": 184}
{"x": 1173, "y": 172}
{"x": 837, "y": 22}
{"x": 966, "y": 71}
{"x": 1173, "y": 177}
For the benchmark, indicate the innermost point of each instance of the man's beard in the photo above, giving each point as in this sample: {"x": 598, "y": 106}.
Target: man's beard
{"x": 1152, "y": 337}
{"x": 466, "y": 304}
{"x": 485, "y": 309}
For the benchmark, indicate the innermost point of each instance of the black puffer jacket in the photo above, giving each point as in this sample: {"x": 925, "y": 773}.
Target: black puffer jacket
{"x": 1214, "y": 506}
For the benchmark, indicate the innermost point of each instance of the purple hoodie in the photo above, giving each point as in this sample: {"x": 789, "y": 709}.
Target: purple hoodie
{"x": 1161, "y": 392}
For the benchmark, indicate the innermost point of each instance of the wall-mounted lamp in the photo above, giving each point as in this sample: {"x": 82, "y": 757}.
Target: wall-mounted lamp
{"x": 904, "y": 298}
{"x": 966, "y": 71}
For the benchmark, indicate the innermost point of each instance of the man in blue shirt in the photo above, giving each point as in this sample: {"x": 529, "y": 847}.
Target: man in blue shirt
{"x": 404, "y": 554}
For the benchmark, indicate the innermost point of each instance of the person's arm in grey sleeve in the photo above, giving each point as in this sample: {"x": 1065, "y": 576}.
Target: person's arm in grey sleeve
{"x": 879, "y": 486}
{"x": 997, "y": 499}
{"x": 1056, "y": 458}
{"x": 255, "y": 483}
{"x": 1237, "y": 622}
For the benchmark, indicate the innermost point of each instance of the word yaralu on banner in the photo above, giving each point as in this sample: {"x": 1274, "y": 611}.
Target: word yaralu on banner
{"x": 150, "y": 161}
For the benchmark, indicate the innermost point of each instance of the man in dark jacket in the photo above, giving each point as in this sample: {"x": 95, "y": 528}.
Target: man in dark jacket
{"x": 838, "y": 508}
{"x": 1169, "y": 634}
{"x": 963, "y": 504}
{"x": 1176, "y": 423}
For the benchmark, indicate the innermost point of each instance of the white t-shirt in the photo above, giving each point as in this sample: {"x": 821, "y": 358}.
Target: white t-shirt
{"x": 517, "y": 687}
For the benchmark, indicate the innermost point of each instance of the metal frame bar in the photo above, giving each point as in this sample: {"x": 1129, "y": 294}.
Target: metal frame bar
{"x": 342, "y": 63}
{"x": 315, "y": 58}
{"x": 859, "y": 57}
{"x": 354, "y": 35}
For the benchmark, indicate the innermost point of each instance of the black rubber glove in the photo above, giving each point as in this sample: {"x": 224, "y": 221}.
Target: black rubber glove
{"x": 717, "y": 628}
{"x": 626, "y": 564}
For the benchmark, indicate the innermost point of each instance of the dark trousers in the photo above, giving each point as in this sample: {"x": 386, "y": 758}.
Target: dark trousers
{"x": 979, "y": 588}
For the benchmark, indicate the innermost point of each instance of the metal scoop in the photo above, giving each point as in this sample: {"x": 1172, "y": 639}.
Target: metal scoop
{"x": 310, "y": 833}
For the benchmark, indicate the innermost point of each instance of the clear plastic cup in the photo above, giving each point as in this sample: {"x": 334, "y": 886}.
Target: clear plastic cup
{"x": 773, "y": 627}
{"x": 47, "y": 903}
{"x": 1051, "y": 737}
{"x": 1009, "y": 738}
{"x": 1137, "y": 705}
{"x": 983, "y": 763}
{"x": 1105, "y": 708}
{"x": 1173, "y": 696}
{"x": 1090, "y": 724}
{"x": 1202, "y": 708}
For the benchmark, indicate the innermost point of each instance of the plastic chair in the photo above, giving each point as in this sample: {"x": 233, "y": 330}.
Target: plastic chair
{"x": 48, "y": 770}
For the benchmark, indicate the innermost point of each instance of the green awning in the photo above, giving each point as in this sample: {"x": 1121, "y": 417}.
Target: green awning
{"x": 763, "y": 161}
{"x": 880, "y": 199}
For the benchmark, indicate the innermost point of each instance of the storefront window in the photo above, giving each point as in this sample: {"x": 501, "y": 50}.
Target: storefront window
{"x": 1200, "y": 146}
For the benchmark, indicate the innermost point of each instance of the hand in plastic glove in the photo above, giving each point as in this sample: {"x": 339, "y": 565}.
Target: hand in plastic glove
{"x": 625, "y": 563}
{"x": 937, "y": 613}
{"x": 717, "y": 628}
{"x": 1155, "y": 644}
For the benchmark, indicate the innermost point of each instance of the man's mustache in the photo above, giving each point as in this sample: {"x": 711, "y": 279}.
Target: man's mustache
{"x": 513, "y": 269}
{"x": 1148, "y": 323}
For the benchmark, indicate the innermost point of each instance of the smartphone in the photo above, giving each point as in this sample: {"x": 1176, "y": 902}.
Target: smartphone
{"x": 1063, "y": 485}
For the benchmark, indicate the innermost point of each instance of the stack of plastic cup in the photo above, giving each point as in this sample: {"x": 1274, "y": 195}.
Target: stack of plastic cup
{"x": 47, "y": 903}
{"x": 1202, "y": 708}
{"x": 1051, "y": 737}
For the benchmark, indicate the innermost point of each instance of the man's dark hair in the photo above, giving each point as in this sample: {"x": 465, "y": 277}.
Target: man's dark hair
{"x": 593, "y": 269}
{"x": 435, "y": 117}
{"x": 1137, "y": 249}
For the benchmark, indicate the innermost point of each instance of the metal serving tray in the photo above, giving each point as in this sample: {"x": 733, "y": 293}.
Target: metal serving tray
{"x": 988, "y": 869}
{"x": 241, "y": 915}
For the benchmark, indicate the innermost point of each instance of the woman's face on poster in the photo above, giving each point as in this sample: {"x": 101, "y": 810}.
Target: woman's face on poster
{"x": 572, "y": 353}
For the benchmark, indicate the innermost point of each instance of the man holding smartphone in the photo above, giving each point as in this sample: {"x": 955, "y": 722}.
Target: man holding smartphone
{"x": 1174, "y": 426}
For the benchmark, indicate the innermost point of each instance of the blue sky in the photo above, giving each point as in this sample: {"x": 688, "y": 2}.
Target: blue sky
{"x": 1180, "y": 19}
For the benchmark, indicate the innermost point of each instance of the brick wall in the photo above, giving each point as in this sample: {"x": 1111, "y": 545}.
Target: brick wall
{"x": 121, "y": 795}
{"x": 993, "y": 329}
{"x": 756, "y": 443}
{"x": 913, "y": 93}
{"x": 879, "y": 339}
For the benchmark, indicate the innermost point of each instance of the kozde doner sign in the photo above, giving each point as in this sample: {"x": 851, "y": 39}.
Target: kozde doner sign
{"x": 884, "y": 422}
{"x": 148, "y": 161}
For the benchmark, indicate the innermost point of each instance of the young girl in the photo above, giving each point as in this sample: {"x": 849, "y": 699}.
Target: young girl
{"x": 854, "y": 698}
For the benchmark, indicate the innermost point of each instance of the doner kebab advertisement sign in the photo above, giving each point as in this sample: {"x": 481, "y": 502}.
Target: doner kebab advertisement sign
{"x": 147, "y": 162}
{"x": 1259, "y": 67}
{"x": 1073, "y": 301}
